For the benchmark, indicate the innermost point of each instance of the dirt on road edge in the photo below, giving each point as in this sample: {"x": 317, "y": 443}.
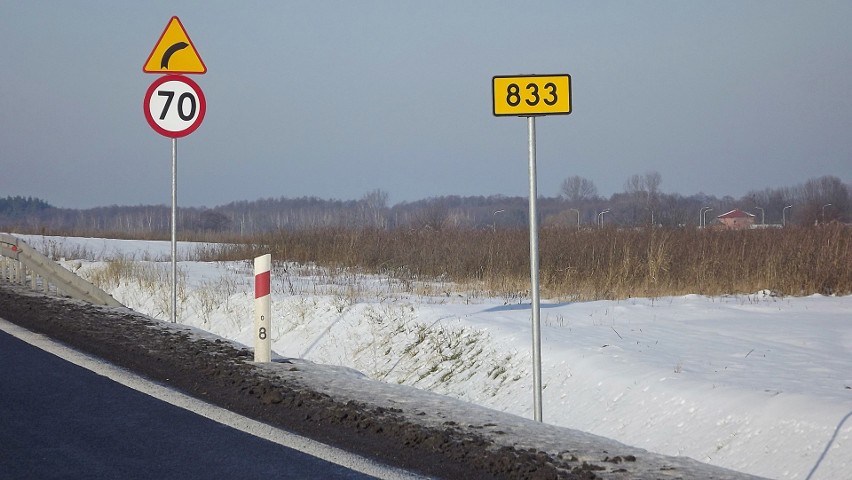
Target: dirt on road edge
{"x": 222, "y": 373}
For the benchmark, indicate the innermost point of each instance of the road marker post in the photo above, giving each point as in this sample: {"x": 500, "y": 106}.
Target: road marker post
{"x": 262, "y": 308}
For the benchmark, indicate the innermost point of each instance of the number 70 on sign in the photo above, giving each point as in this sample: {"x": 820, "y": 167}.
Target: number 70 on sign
{"x": 530, "y": 95}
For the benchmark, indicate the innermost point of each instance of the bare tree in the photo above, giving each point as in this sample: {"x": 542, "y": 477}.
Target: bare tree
{"x": 653, "y": 179}
{"x": 643, "y": 193}
{"x": 213, "y": 221}
{"x": 576, "y": 189}
{"x": 634, "y": 185}
{"x": 374, "y": 208}
{"x": 823, "y": 199}
{"x": 647, "y": 185}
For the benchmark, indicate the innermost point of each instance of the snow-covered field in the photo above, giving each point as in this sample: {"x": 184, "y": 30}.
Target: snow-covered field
{"x": 756, "y": 383}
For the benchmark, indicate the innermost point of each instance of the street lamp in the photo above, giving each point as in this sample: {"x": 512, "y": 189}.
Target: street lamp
{"x": 784, "y": 215}
{"x": 701, "y": 216}
{"x": 704, "y": 216}
{"x": 494, "y": 221}
{"x": 578, "y": 216}
{"x": 823, "y": 211}
{"x": 600, "y": 217}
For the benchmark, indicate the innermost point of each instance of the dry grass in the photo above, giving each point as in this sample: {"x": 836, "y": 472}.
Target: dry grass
{"x": 585, "y": 264}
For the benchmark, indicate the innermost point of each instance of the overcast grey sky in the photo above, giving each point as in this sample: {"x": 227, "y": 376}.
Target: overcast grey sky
{"x": 335, "y": 99}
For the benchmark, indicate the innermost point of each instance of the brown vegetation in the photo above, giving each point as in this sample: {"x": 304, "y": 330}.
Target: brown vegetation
{"x": 587, "y": 264}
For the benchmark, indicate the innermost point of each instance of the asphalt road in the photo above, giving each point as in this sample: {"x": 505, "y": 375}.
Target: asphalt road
{"x": 59, "y": 420}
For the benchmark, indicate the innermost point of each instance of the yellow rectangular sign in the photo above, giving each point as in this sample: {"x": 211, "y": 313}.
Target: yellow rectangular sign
{"x": 529, "y": 95}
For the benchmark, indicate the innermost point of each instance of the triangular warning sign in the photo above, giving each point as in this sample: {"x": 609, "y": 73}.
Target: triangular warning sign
{"x": 174, "y": 52}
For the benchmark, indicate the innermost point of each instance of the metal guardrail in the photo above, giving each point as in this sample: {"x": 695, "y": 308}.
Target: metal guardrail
{"x": 23, "y": 260}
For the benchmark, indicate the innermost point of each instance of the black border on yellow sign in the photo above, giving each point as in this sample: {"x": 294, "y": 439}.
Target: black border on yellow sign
{"x": 528, "y": 114}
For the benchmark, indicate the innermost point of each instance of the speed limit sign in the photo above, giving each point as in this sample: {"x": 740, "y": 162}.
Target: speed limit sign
{"x": 174, "y": 106}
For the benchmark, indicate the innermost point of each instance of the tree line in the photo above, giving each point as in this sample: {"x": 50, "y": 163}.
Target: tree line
{"x": 641, "y": 203}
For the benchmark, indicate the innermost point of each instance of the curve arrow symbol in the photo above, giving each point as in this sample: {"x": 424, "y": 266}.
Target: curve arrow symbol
{"x": 164, "y": 63}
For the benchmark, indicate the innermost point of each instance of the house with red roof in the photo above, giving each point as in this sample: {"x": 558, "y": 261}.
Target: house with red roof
{"x": 736, "y": 219}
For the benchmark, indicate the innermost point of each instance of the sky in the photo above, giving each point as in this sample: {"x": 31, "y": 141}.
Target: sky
{"x": 337, "y": 99}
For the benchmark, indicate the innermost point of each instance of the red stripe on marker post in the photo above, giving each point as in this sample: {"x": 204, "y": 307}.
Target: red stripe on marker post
{"x": 262, "y": 284}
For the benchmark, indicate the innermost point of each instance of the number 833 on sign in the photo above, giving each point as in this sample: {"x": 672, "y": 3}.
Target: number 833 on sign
{"x": 531, "y": 95}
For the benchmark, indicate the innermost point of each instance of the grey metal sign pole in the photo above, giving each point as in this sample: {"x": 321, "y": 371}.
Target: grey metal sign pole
{"x": 174, "y": 230}
{"x": 534, "y": 287}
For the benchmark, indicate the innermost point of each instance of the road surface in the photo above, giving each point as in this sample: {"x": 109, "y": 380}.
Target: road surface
{"x": 60, "y": 420}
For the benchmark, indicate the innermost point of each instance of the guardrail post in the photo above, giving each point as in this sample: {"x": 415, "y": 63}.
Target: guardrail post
{"x": 262, "y": 309}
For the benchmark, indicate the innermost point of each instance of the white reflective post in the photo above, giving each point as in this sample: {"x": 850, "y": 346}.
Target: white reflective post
{"x": 262, "y": 308}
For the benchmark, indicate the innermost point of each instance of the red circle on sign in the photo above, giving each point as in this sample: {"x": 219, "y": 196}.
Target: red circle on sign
{"x": 167, "y": 111}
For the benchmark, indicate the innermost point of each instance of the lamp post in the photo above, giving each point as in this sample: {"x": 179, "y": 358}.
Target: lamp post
{"x": 704, "y": 216}
{"x": 701, "y": 216}
{"x": 494, "y": 219}
{"x": 600, "y": 217}
{"x": 578, "y": 216}
{"x": 784, "y": 215}
{"x": 823, "y": 211}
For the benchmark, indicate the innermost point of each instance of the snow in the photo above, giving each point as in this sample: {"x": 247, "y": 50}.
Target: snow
{"x": 756, "y": 383}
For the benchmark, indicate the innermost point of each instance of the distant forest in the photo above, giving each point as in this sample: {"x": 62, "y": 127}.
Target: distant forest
{"x": 642, "y": 203}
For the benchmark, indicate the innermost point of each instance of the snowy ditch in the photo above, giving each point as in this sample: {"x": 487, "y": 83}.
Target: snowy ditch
{"x": 755, "y": 383}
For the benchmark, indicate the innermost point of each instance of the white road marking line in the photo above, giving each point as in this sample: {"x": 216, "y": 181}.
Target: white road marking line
{"x": 218, "y": 414}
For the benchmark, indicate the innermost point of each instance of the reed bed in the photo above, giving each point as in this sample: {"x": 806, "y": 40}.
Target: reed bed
{"x": 606, "y": 263}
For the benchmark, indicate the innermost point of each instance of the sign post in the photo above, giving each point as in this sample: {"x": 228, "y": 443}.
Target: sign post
{"x": 531, "y": 96}
{"x": 174, "y": 106}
